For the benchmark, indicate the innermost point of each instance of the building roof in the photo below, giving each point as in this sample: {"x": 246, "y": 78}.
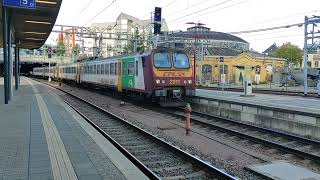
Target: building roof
{"x": 101, "y": 27}
{"x": 215, "y": 51}
{"x": 33, "y": 27}
{"x": 271, "y": 50}
{"x": 207, "y": 34}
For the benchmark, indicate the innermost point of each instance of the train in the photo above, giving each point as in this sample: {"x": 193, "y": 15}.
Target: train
{"x": 163, "y": 75}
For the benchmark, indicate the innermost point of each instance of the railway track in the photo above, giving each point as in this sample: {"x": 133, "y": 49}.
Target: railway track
{"x": 299, "y": 146}
{"x": 155, "y": 157}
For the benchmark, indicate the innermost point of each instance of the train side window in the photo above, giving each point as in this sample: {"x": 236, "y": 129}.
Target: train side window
{"x": 94, "y": 69}
{"x": 124, "y": 69}
{"x": 98, "y": 69}
{"x": 131, "y": 68}
{"x": 112, "y": 69}
{"x": 137, "y": 68}
{"x": 102, "y": 68}
{"x": 107, "y": 69}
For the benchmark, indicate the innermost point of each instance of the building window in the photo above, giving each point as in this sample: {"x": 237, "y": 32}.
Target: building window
{"x": 225, "y": 69}
{"x": 309, "y": 63}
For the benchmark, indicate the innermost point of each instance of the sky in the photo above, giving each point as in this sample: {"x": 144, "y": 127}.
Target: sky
{"x": 219, "y": 15}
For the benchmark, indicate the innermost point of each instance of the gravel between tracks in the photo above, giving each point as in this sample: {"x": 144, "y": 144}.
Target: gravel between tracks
{"x": 220, "y": 150}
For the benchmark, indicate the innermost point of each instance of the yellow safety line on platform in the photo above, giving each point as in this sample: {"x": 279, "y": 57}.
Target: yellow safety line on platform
{"x": 62, "y": 168}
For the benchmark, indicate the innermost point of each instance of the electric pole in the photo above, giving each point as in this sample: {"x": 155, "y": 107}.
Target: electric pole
{"x": 314, "y": 21}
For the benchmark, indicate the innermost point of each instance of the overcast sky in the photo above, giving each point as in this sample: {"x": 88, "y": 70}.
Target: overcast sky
{"x": 219, "y": 15}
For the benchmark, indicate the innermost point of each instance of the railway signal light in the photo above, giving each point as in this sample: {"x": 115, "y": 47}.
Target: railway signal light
{"x": 157, "y": 20}
{"x": 157, "y": 14}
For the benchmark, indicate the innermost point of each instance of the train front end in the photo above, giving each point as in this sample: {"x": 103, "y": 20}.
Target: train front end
{"x": 172, "y": 76}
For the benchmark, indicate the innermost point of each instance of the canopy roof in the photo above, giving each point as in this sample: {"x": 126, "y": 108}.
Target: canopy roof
{"x": 31, "y": 28}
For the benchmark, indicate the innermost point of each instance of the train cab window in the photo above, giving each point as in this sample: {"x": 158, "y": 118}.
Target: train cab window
{"x": 112, "y": 69}
{"x": 107, "y": 69}
{"x": 131, "y": 68}
{"x": 161, "y": 60}
{"x": 180, "y": 60}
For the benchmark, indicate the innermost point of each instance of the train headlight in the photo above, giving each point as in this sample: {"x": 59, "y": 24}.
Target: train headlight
{"x": 163, "y": 81}
{"x": 190, "y": 81}
{"x": 185, "y": 81}
{"x": 158, "y": 81}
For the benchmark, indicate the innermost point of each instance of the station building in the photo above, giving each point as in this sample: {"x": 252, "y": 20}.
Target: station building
{"x": 240, "y": 63}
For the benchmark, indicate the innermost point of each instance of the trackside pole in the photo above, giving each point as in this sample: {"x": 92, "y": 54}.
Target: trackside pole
{"x": 188, "y": 111}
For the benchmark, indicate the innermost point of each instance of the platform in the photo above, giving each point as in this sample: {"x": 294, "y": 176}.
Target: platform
{"x": 291, "y": 103}
{"x": 282, "y": 170}
{"x": 41, "y": 137}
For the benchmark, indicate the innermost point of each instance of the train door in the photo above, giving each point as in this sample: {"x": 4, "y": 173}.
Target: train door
{"x": 119, "y": 76}
{"x": 128, "y": 73}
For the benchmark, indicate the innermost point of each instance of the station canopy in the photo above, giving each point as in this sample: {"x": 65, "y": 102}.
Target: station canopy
{"x": 32, "y": 27}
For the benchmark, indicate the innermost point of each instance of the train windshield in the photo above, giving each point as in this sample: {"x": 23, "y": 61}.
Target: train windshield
{"x": 162, "y": 60}
{"x": 180, "y": 60}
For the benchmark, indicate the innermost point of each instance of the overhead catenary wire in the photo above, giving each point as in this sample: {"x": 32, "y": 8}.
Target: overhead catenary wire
{"x": 211, "y": 12}
{"x": 192, "y": 5}
{"x": 198, "y": 11}
{"x": 267, "y": 29}
{"x": 110, "y": 4}
{"x": 86, "y": 6}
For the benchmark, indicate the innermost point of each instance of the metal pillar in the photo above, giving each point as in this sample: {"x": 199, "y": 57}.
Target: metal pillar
{"x": 16, "y": 60}
{"x": 9, "y": 55}
{"x": 19, "y": 69}
{"x": 201, "y": 64}
{"x": 5, "y": 53}
{"x": 305, "y": 58}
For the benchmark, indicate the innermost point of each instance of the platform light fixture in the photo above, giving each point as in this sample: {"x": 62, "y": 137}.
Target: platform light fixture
{"x": 38, "y": 33}
{"x": 46, "y": 2}
{"x": 38, "y": 22}
{"x": 36, "y": 39}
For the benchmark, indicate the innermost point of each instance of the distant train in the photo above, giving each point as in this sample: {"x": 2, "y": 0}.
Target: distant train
{"x": 164, "y": 75}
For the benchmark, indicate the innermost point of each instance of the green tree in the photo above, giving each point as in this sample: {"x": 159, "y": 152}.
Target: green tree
{"x": 76, "y": 50}
{"x": 59, "y": 49}
{"x": 290, "y": 52}
{"x": 137, "y": 40}
{"x": 45, "y": 49}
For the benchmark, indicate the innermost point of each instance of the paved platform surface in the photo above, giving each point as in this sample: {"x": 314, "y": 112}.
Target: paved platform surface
{"x": 309, "y": 105}
{"x": 282, "y": 170}
{"x": 41, "y": 137}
